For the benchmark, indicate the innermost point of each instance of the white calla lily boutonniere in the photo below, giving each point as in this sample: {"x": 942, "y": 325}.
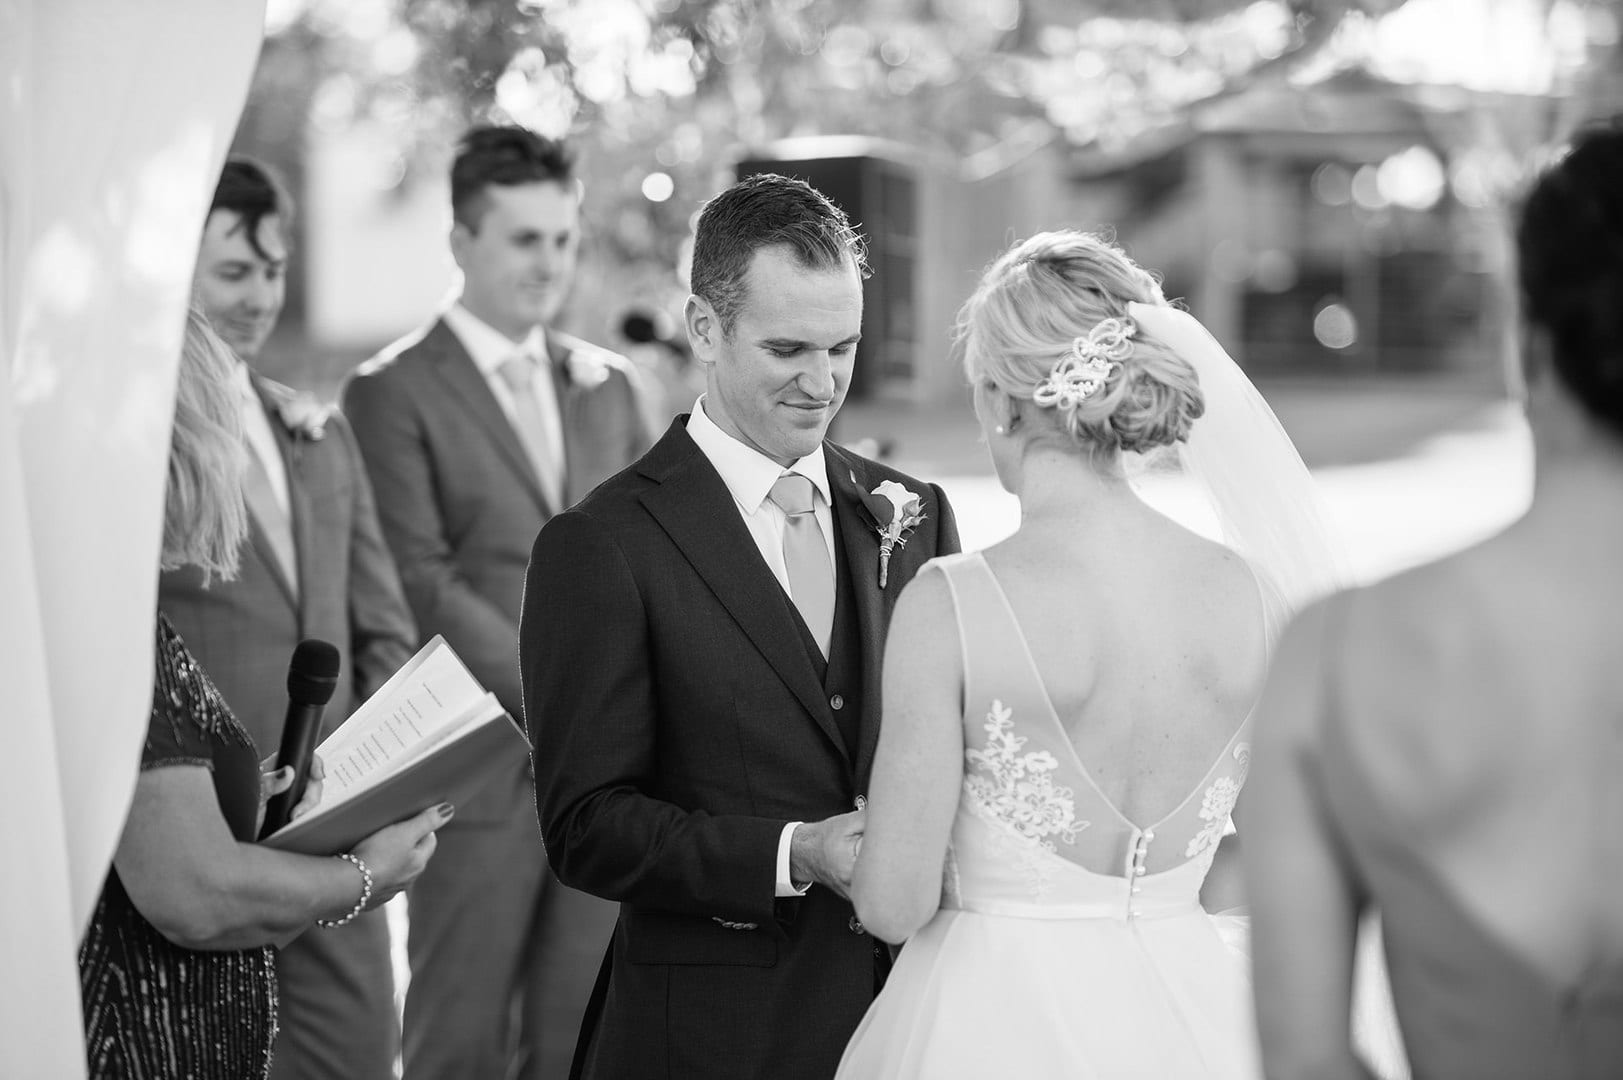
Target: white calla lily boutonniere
{"x": 586, "y": 370}
{"x": 896, "y": 512}
{"x": 305, "y": 417}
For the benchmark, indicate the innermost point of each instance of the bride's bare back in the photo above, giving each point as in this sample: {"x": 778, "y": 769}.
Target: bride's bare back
{"x": 1149, "y": 640}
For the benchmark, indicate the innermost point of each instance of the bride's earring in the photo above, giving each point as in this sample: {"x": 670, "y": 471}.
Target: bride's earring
{"x": 1001, "y": 430}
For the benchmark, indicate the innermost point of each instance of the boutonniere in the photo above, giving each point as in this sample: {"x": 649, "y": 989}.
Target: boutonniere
{"x": 304, "y": 416}
{"x": 896, "y": 512}
{"x": 585, "y": 370}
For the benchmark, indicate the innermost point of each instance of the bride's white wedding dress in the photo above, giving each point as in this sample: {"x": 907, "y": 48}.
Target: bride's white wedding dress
{"x": 1070, "y": 942}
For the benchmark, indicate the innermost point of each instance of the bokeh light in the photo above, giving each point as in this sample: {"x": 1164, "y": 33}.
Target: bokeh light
{"x": 1334, "y": 325}
{"x": 658, "y": 186}
{"x": 1413, "y": 178}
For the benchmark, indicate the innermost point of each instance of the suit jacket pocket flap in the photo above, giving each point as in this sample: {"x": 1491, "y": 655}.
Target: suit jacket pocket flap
{"x": 661, "y": 938}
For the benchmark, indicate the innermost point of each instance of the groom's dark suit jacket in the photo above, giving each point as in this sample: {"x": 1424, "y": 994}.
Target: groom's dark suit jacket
{"x": 681, "y": 715}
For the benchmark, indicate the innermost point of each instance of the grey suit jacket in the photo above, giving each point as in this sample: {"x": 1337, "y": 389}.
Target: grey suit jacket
{"x": 460, "y": 503}
{"x": 337, "y": 1007}
{"x": 243, "y": 632}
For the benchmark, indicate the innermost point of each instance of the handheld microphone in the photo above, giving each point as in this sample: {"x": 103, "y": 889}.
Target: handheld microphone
{"x": 311, "y": 679}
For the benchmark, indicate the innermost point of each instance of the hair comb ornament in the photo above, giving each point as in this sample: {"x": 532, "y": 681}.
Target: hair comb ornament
{"x": 1083, "y": 370}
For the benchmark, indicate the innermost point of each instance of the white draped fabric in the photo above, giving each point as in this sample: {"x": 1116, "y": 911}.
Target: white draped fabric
{"x": 114, "y": 120}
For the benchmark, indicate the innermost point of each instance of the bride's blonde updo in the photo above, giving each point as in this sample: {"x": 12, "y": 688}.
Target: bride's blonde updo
{"x": 1039, "y": 304}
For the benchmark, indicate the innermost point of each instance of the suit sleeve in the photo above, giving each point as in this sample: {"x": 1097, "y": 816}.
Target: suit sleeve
{"x": 592, "y": 713}
{"x": 946, "y": 533}
{"x": 389, "y": 430}
{"x": 382, "y": 633}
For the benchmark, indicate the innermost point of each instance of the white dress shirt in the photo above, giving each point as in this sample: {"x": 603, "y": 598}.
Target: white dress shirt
{"x": 749, "y": 475}
{"x": 256, "y": 427}
{"x": 490, "y": 349}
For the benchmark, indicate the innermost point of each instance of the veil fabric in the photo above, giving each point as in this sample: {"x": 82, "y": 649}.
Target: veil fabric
{"x": 1271, "y": 514}
{"x": 1238, "y": 454}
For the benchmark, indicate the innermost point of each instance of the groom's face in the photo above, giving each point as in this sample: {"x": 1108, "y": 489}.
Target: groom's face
{"x": 775, "y": 382}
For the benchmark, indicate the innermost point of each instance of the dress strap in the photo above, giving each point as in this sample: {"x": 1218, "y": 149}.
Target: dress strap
{"x": 994, "y": 649}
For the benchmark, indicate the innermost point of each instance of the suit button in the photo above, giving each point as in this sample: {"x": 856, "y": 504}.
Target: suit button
{"x": 836, "y": 702}
{"x": 854, "y": 925}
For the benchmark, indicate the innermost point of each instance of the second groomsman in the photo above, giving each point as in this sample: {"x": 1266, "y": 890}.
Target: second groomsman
{"x": 476, "y": 430}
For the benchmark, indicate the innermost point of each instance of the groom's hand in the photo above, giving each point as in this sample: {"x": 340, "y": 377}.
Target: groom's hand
{"x": 824, "y": 852}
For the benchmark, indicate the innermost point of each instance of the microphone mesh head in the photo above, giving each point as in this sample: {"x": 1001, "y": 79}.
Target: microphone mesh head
{"x": 313, "y": 675}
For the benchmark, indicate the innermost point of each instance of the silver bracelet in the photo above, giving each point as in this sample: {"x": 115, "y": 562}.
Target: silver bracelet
{"x": 366, "y": 891}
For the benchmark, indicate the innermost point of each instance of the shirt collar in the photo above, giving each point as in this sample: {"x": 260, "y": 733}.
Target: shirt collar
{"x": 242, "y": 379}
{"x": 748, "y": 473}
{"x": 488, "y": 347}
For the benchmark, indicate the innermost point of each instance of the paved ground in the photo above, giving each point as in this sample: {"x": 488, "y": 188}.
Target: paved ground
{"x": 1409, "y": 470}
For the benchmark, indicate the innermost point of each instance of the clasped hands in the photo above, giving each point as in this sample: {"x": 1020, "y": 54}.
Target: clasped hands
{"x": 825, "y": 852}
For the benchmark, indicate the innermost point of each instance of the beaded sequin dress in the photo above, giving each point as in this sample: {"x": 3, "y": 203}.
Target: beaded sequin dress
{"x": 1070, "y": 943}
{"x": 151, "y": 1008}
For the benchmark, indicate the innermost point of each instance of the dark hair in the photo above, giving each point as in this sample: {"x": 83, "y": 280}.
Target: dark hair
{"x": 252, "y": 192}
{"x": 1570, "y": 246}
{"x": 504, "y": 156}
{"x": 766, "y": 210}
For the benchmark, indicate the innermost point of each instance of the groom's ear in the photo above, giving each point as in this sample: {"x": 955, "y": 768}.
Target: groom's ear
{"x": 704, "y": 328}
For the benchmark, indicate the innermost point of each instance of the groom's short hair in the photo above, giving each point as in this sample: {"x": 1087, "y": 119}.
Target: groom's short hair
{"x": 252, "y": 192}
{"x": 766, "y": 210}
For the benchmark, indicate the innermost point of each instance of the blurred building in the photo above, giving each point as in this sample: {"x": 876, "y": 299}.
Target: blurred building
{"x": 1356, "y": 227}
{"x": 1351, "y": 228}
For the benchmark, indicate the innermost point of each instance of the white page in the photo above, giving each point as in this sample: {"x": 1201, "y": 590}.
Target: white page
{"x": 421, "y": 702}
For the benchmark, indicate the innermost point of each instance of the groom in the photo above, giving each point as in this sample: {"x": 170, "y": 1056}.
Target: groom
{"x": 700, "y": 650}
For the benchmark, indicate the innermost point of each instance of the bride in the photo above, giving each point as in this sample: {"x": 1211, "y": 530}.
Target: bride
{"x": 1067, "y": 714}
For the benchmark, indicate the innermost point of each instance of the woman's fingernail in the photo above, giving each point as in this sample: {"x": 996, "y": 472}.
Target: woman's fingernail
{"x": 445, "y": 809}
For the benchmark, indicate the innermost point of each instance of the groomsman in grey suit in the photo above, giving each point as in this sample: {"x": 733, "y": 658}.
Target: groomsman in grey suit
{"x": 477, "y": 430}
{"x": 315, "y": 566}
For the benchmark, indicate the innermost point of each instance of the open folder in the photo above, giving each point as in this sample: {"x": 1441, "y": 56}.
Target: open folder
{"x": 431, "y": 734}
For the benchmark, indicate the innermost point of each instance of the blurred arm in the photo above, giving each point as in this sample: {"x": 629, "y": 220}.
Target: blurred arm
{"x": 382, "y": 634}
{"x": 1305, "y": 897}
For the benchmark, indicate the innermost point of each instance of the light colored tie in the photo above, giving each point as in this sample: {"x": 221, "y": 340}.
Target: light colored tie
{"x": 261, "y": 499}
{"x": 805, "y": 555}
{"x": 536, "y": 430}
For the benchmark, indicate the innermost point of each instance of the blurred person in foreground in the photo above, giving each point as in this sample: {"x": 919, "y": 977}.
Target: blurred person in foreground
{"x": 314, "y": 565}
{"x": 1067, "y": 714}
{"x": 701, "y": 643}
{"x": 477, "y": 429}
{"x": 1444, "y": 747}
{"x": 178, "y": 969}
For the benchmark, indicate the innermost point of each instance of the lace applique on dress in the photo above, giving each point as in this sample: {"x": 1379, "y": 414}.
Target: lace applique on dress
{"x": 1218, "y": 803}
{"x": 1018, "y": 791}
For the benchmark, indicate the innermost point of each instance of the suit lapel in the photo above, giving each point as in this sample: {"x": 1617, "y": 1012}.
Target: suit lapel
{"x": 858, "y": 536}
{"x": 298, "y": 512}
{"x": 461, "y": 375}
{"x": 567, "y": 394}
{"x": 698, "y": 513}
